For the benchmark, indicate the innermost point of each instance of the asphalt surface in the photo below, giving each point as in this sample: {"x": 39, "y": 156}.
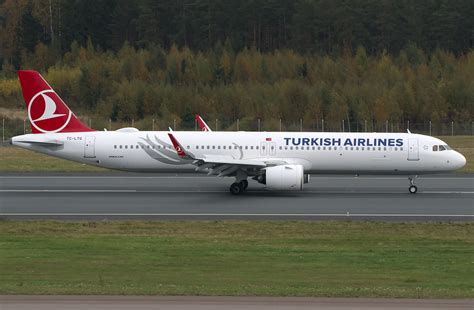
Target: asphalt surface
{"x": 143, "y": 196}
{"x": 215, "y": 303}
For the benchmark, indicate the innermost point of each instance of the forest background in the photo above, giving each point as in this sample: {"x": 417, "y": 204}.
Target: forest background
{"x": 367, "y": 63}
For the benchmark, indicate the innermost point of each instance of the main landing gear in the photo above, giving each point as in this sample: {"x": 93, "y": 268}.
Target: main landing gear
{"x": 412, "y": 189}
{"x": 238, "y": 187}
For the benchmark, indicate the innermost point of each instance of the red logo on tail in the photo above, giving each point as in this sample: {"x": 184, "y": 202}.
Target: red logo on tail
{"x": 51, "y": 119}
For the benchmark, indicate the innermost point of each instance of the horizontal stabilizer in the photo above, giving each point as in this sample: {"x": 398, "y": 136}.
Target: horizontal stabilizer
{"x": 37, "y": 139}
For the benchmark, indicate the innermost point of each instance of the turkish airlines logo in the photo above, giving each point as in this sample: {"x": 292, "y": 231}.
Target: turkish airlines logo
{"x": 45, "y": 114}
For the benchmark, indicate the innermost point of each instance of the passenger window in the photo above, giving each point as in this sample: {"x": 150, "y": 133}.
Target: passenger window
{"x": 188, "y": 147}
{"x": 218, "y": 147}
{"x": 115, "y": 146}
{"x": 291, "y": 148}
{"x": 213, "y": 147}
{"x": 120, "y": 146}
{"x": 197, "y": 147}
{"x": 324, "y": 148}
{"x": 280, "y": 147}
{"x": 313, "y": 148}
{"x": 246, "y": 147}
{"x": 208, "y": 147}
{"x": 223, "y": 147}
{"x": 435, "y": 148}
{"x": 286, "y": 148}
{"x": 296, "y": 148}
{"x": 329, "y": 148}
{"x": 401, "y": 149}
{"x": 251, "y": 147}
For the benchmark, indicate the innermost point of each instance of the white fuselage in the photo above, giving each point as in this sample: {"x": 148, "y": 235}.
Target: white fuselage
{"x": 324, "y": 153}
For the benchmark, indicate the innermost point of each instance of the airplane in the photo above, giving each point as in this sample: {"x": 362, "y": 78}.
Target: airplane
{"x": 279, "y": 160}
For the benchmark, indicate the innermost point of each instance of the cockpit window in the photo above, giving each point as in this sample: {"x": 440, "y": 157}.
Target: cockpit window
{"x": 441, "y": 148}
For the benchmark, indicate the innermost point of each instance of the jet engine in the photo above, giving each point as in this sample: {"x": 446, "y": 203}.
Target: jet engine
{"x": 284, "y": 177}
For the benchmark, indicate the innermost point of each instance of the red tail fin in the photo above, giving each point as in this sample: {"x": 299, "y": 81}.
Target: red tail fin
{"x": 46, "y": 111}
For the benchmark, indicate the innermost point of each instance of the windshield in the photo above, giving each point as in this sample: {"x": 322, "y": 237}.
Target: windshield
{"x": 444, "y": 147}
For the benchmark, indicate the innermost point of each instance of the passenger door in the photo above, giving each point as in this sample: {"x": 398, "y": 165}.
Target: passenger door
{"x": 89, "y": 147}
{"x": 413, "y": 152}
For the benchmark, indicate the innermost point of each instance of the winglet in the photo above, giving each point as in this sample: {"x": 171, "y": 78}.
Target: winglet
{"x": 202, "y": 123}
{"x": 178, "y": 147}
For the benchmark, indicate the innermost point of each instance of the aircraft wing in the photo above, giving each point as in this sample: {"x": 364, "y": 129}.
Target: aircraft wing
{"x": 219, "y": 165}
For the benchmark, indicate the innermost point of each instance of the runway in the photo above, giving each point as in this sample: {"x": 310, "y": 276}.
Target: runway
{"x": 191, "y": 196}
{"x": 228, "y": 303}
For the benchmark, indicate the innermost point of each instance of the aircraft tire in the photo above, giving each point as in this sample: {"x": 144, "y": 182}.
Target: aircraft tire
{"x": 413, "y": 189}
{"x": 236, "y": 189}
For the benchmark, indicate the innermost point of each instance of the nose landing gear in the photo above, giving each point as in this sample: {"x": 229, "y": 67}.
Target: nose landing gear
{"x": 412, "y": 189}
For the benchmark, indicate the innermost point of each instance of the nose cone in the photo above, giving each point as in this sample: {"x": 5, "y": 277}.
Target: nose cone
{"x": 460, "y": 161}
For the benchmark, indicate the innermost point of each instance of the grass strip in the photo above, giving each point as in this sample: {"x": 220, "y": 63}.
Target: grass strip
{"x": 244, "y": 258}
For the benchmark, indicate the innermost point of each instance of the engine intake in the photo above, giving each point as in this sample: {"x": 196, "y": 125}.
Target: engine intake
{"x": 284, "y": 177}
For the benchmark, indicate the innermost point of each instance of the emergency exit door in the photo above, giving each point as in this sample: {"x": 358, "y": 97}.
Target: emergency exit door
{"x": 267, "y": 148}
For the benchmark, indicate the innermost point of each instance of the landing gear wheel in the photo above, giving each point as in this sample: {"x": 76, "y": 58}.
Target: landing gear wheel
{"x": 412, "y": 189}
{"x": 244, "y": 184}
{"x": 236, "y": 189}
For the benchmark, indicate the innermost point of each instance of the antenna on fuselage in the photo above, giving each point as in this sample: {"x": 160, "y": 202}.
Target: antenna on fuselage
{"x": 408, "y": 130}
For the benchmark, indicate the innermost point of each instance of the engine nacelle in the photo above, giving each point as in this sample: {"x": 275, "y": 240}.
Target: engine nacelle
{"x": 284, "y": 177}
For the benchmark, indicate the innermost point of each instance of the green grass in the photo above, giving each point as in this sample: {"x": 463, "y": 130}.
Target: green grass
{"x": 281, "y": 258}
{"x": 15, "y": 159}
